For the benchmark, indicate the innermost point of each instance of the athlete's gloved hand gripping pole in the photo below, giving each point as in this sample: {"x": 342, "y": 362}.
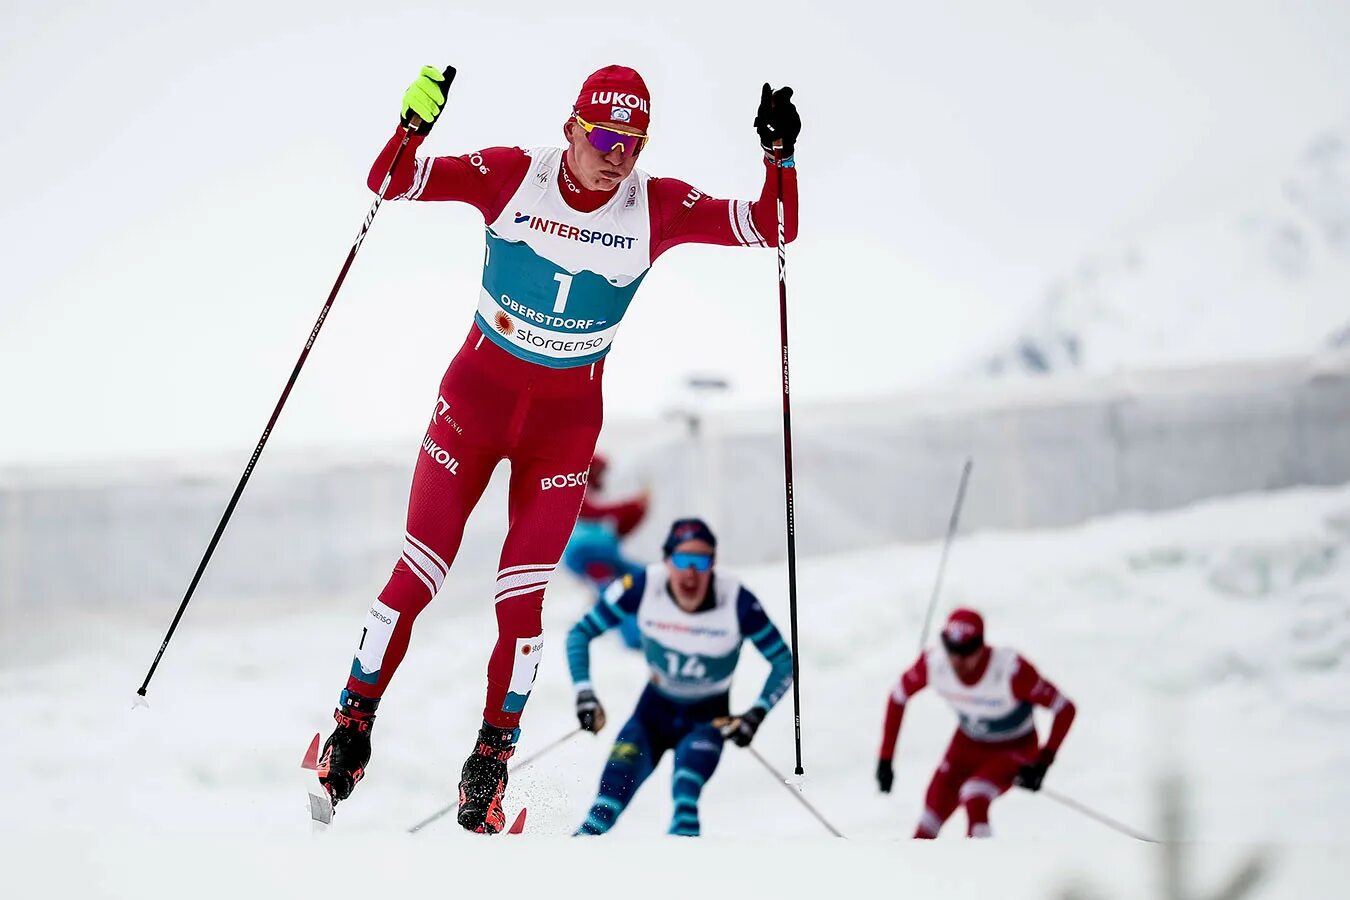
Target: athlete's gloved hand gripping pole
{"x": 740, "y": 730}
{"x": 590, "y": 714}
{"x": 422, "y": 104}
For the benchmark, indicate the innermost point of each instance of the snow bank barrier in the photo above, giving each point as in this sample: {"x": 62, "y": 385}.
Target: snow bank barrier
{"x": 1047, "y": 454}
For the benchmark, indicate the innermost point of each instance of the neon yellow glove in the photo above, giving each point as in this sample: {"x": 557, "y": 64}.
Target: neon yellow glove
{"x": 425, "y": 98}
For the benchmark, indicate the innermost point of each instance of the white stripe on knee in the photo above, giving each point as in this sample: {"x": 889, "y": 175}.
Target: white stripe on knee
{"x": 515, "y": 581}
{"x": 977, "y": 787}
{"x": 425, "y": 563}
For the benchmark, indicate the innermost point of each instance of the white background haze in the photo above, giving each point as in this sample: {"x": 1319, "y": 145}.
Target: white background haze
{"x": 185, "y": 180}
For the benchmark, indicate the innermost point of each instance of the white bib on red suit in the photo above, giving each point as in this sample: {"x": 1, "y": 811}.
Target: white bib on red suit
{"x": 987, "y": 709}
{"x": 557, "y": 281}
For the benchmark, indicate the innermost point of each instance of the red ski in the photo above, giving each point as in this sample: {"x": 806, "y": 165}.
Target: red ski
{"x": 519, "y": 824}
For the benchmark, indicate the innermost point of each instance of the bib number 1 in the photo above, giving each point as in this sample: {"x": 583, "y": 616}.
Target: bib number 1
{"x": 564, "y": 285}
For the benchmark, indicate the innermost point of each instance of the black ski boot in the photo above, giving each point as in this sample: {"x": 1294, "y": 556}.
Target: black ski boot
{"x": 483, "y": 780}
{"x": 345, "y": 754}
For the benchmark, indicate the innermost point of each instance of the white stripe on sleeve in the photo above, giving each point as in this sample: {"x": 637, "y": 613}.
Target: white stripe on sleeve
{"x": 420, "y": 174}
{"x": 735, "y": 226}
{"x": 747, "y": 225}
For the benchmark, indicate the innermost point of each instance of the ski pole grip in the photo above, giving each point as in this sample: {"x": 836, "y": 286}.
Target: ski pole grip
{"x": 449, "y": 74}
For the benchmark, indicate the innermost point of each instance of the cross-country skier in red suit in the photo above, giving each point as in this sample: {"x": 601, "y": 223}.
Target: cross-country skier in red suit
{"x": 993, "y": 691}
{"x": 571, "y": 233}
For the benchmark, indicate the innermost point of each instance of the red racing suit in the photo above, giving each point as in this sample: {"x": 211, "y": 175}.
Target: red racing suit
{"x": 523, "y": 388}
{"x": 995, "y": 737}
{"x": 624, "y": 515}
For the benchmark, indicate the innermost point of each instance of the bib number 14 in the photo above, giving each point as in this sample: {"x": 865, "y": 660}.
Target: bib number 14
{"x": 686, "y": 667}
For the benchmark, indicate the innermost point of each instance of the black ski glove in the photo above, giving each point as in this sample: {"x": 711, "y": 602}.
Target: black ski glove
{"x": 885, "y": 775}
{"x": 741, "y": 730}
{"x": 1032, "y": 774}
{"x": 777, "y": 121}
{"x": 590, "y": 713}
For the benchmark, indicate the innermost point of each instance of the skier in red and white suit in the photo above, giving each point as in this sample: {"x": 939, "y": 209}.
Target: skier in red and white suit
{"x": 571, "y": 232}
{"x": 993, "y": 691}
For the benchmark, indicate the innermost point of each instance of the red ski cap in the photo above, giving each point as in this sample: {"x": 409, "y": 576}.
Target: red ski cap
{"x": 964, "y": 630}
{"x": 616, "y": 95}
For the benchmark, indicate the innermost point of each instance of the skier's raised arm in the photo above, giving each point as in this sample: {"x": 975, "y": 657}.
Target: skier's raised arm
{"x": 484, "y": 179}
{"x": 682, "y": 214}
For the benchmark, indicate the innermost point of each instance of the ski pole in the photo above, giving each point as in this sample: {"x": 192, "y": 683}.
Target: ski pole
{"x": 946, "y": 545}
{"x": 1093, "y": 814}
{"x": 787, "y": 470}
{"x": 516, "y": 767}
{"x": 413, "y": 122}
{"x": 798, "y": 794}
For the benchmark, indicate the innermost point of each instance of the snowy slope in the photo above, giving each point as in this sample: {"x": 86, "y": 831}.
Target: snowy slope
{"x": 1225, "y": 628}
{"x": 1263, "y": 271}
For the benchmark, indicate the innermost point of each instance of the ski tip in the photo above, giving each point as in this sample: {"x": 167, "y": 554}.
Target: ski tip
{"x": 311, "y": 760}
{"x": 519, "y": 824}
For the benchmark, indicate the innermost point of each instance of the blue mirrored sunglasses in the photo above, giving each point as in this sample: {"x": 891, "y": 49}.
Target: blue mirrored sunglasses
{"x": 699, "y": 562}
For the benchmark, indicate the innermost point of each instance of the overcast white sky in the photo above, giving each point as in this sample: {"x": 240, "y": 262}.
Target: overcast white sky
{"x": 184, "y": 181}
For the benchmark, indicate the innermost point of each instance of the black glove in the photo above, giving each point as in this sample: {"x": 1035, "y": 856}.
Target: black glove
{"x": 1032, "y": 774}
{"x": 885, "y": 775}
{"x": 777, "y": 120}
{"x": 590, "y": 713}
{"x": 741, "y": 730}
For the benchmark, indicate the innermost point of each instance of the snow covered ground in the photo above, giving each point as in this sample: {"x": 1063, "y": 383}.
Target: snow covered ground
{"x": 1173, "y": 205}
{"x": 1215, "y": 639}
